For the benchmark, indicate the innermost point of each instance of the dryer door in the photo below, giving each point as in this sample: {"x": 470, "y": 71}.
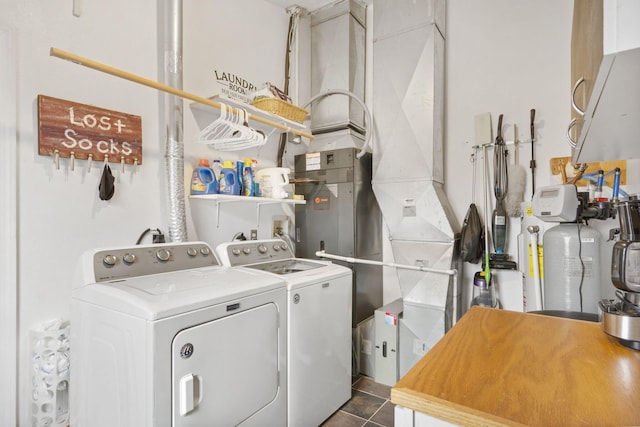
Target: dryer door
{"x": 226, "y": 370}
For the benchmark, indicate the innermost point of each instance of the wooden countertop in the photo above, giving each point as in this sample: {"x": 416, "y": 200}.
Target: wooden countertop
{"x": 498, "y": 367}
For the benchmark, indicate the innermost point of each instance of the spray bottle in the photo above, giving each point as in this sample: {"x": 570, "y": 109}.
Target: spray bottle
{"x": 247, "y": 178}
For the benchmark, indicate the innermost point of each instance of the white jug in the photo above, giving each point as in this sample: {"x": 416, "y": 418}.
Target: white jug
{"x": 273, "y": 181}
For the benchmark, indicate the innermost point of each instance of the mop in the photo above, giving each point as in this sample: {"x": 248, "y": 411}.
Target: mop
{"x": 517, "y": 181}
{"x": 499, "y": 222}
{"x": 487, "y": 270}
{"x": 500, "y": 189}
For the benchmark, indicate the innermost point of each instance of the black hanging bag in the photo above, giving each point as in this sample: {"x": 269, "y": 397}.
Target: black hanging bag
{"x": 472, "y": 236}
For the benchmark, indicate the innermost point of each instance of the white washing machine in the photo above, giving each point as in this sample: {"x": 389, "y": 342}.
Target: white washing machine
{"x": 162, "y": 335}
{"x": 319, "y": 328}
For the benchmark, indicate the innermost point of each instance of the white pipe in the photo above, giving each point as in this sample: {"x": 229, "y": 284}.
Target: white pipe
{"x": 533, "y": 232}
{"x": 323, "y": 254}
{"x": 454, "y": 303}
{"x": 369, "y": 117}
{"x": 449, "y": 272}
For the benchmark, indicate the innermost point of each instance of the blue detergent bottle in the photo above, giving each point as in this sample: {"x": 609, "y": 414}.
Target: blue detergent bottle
{"x": 248, "y": 186}
{"x": 203, "y": 180}
{"x": 229, "y": 183}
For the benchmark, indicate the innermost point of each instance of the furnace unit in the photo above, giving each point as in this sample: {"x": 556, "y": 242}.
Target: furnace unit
{"x": 342, "y": 217}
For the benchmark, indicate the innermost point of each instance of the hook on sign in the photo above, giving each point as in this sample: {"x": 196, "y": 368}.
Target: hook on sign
{"x": 56, "y": 159}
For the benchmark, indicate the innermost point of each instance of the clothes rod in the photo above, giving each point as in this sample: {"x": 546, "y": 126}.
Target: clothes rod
{"x": 58, "y": 53}
{"x": 323, "y": 254}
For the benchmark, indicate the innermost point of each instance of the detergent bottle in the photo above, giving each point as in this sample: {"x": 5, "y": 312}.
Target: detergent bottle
{"x": 273, "y": 182}
{"x": 249, "y": 188}
{"x": 229, "y": 183}
{"x": 203, "y": 180}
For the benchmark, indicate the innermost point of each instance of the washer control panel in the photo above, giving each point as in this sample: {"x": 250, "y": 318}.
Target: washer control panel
{"x": 245, "y": 252}
{"x": 121, "y": 263}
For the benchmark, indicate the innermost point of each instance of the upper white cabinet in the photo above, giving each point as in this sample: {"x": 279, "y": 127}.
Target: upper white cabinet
{"x": 611, "y": 116}
{"x": 612, "y": 119}
{"x": 621, "y": 25}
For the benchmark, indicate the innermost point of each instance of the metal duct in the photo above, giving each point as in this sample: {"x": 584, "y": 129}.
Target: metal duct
{"x": 408, "y": 70}
{"x": 408, "y": 176}
{"x": 174, "y": 120}
{"x": 337, "y": 58}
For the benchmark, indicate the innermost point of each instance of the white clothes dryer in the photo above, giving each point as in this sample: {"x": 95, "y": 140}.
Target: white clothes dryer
{"x": 319, "y": 296}
{"x": 162, "y": 335}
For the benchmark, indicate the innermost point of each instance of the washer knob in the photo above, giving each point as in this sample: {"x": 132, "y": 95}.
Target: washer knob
{"x": 246, "y": 251}
{"x": 109, "y": 260}
{"x": 129, "y": 258}
{"x": 163, "y": 255}
{"x": 262, "y": 249}
{"x": 284, "y": 246}
{"x": 192, "y": 252}
{"x": 205, "y": 251}
{"x": 276, "y": 247}
{"x": 235, "y": 251}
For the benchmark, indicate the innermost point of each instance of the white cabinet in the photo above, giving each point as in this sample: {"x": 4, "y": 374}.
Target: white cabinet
{"x": 621, "y": 27}
{"x": 405, "y": 417}
{"x": 609, "y": 122}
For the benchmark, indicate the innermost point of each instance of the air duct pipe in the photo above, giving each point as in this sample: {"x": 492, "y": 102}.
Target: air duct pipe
{"x": 174, "y": 122}
{"x": 369, "y": 118}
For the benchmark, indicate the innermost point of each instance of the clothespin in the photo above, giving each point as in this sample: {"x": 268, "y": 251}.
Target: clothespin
{"x": 56, "y": 159}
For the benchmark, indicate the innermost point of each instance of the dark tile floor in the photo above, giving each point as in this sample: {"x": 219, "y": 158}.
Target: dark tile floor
{"x": 369, "y": 406}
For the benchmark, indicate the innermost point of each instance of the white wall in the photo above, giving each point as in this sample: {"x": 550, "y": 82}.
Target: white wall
{"x": 8, "y": 222}
{"x": 59, "y": 212}
{"x": 224, "y": 36}
{"x": 505, "y": 57}
{"x": 508, "y": 57}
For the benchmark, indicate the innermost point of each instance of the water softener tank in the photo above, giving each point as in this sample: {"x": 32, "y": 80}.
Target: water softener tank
{"x": 571, "y": 268}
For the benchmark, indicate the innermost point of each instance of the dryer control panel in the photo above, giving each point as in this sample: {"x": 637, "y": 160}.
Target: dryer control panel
{"x": 244, "y": 252}
{"x": 103, "y": 265}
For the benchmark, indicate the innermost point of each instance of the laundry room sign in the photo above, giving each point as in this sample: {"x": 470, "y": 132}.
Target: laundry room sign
{"x": 69, "y": 129}
{"x": 234, "y": 87}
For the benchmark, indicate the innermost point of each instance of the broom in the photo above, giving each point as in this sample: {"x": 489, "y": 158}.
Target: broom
{"x": 517, "y": 178}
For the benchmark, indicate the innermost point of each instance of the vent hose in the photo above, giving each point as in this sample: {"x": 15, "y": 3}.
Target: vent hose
{"x": 369, "y": 118}
{"x": 174, "y": 120}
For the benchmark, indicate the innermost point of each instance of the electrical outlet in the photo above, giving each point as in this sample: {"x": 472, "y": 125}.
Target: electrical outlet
{"x": 254, "y": 235}
{"x": 280, "y": 225}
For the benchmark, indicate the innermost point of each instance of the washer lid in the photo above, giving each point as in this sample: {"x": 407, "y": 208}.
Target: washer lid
{"x": 300, "y": 272}
{"x": 161, "y": 295}
{"x": 287, "y": 266}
